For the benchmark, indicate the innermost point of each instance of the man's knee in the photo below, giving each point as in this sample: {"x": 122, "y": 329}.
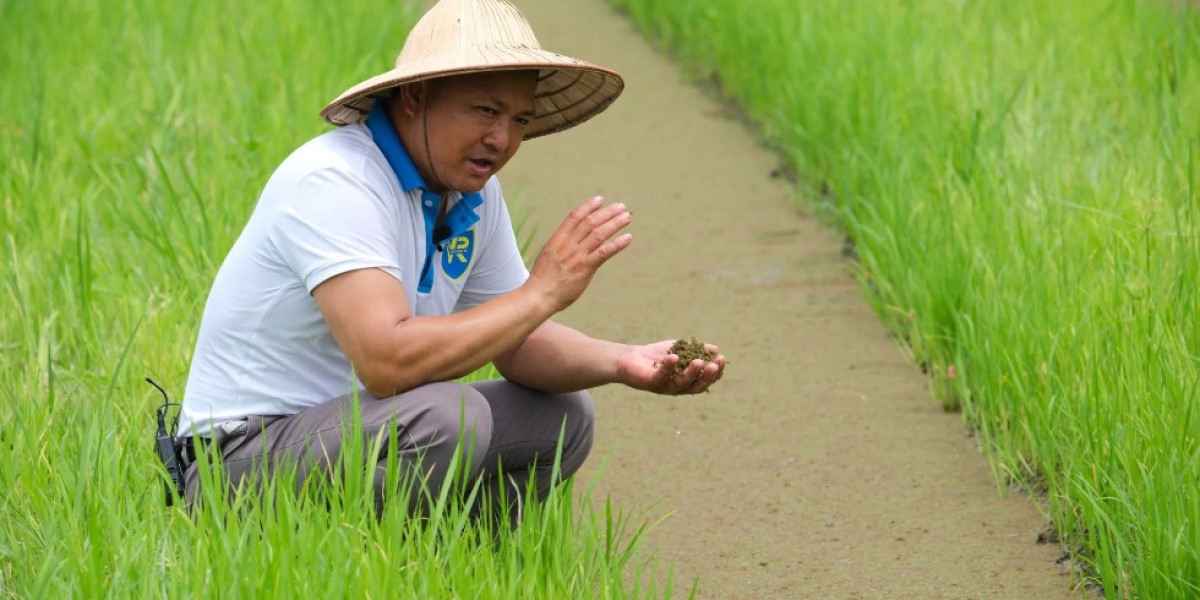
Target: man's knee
{"x": 452, "y": 417}
{"x": 579, "y": 427}
{"x": 581, "y": 410}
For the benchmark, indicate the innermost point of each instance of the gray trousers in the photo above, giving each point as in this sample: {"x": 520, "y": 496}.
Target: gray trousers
{"x": 509, "y": 434}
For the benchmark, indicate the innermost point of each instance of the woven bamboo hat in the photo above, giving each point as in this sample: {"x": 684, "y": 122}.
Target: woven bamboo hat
{"x": 469, "y": 36}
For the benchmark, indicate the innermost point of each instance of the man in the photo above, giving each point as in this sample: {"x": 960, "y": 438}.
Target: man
{"x": 380, "y": 264}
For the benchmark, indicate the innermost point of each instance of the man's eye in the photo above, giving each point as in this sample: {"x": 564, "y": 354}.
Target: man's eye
{"x": 487, "y": 110}
{"x": 523, "y": 121}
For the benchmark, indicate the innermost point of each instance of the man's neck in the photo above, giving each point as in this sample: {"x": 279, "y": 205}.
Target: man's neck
{"x": 411, "y": 134}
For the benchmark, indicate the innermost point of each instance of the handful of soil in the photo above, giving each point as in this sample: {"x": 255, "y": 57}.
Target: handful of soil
{"x": 689, "y": 351}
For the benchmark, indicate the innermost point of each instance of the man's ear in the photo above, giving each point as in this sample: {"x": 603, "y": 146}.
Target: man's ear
{"x": 411, "y": 98}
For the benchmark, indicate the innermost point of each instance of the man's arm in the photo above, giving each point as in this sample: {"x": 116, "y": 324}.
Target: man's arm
{"x": 556, "y": 358}
{"x": 393, "y": 351}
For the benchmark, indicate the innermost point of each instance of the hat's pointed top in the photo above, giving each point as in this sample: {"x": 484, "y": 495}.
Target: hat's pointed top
{"x": 459, "y": 28}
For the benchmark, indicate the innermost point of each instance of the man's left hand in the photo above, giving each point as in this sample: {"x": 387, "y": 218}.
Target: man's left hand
{"x": 652, "y": 368}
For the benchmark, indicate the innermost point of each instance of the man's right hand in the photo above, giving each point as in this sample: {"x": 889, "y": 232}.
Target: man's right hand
{"x": 577, "y": 249}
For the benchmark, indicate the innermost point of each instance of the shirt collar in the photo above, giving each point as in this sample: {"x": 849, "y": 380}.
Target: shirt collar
{"x": 389, "y": 143}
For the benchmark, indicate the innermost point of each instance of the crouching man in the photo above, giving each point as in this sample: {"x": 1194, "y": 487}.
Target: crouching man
{"x": 380, "y": 263}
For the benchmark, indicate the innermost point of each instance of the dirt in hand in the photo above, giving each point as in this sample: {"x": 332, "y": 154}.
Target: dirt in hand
{"x": 689, "y": 351}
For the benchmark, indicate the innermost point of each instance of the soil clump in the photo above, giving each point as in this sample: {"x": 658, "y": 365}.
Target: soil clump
{"x": 690, "y": 350}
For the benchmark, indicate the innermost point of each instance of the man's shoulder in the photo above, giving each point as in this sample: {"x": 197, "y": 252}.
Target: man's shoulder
{"x": 347, "y": 148}
{"x": 343, "y": 164}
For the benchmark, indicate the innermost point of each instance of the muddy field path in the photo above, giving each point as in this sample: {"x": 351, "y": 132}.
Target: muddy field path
{"x": 819, "y": 467}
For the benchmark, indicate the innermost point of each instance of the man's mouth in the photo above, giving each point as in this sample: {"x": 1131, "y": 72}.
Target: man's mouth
{"x": 482, "y": 165}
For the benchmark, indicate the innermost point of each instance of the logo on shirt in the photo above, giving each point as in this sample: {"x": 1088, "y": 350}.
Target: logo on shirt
{"x": 457, "y": 254}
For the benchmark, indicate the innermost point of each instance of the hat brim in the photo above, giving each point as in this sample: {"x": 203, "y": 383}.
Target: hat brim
{"x": 568, "y": 92}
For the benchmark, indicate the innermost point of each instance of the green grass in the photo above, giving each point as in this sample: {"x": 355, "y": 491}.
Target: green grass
{"x": 137, "y": 136}
{"x": 1022, "y": 180}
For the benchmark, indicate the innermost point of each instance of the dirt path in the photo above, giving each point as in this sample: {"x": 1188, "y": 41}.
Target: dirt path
{"x": 820, "y": 468}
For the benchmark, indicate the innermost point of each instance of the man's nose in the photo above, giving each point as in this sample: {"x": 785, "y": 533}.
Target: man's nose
{"x": 498, "y": 137}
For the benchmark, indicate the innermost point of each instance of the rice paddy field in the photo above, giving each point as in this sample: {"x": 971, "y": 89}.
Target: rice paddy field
{"x": 1020, "y": 180}
{"x": 137, "y": 135}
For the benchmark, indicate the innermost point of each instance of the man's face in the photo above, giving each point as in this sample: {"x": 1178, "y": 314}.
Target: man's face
{"x": 474, "y": 124}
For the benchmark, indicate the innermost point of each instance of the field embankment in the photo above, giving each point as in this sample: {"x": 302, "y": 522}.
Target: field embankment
{"x": 1022, "y": 185}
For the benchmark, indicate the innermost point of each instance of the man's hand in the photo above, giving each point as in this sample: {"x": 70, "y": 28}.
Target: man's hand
{"x": 584, "y": 242}
{"x": 652, "y": 368}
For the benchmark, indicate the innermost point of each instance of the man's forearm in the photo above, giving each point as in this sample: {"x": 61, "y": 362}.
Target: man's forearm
{"x": 556, "y": 358}
{"x": 444, "y": 347}
{"x": 392, "y": 351}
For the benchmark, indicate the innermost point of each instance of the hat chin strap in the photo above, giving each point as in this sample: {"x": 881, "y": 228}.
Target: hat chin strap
{"x": 425, "y": 132}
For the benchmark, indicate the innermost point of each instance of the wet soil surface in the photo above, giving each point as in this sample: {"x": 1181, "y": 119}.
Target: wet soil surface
{"x": 819, "y": 467}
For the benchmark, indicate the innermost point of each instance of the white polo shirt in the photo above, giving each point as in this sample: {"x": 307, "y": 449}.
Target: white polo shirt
{"x": 335, "y": 205}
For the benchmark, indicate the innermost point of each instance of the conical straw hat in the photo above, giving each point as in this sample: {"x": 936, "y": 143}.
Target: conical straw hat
{"x": 469, "y": 36}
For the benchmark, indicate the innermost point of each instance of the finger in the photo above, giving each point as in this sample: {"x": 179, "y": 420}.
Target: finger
{"x": 664, "y": 373}
{"x": 720, "y": 362}
{"x": 580, "y": 215}
{"x": 579, "y": 218}
{"x": 601, "y": 225}
{"x": 605, "y": 230}
{"x": 608, "y": 212}
{"x": 686, "y": 380}
{"x": 609, "y": 250}
{"x": 708, "y": 376}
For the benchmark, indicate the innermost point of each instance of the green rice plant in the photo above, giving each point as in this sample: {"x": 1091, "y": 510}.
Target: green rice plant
{"x": 138, "y": 135}
{"x": 1020, "y": 179}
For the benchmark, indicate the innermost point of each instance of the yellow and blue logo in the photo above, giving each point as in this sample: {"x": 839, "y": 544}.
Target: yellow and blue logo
{"x": 457, "y": 254}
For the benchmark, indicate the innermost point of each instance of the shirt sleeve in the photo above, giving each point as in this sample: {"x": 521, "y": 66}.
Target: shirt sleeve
{"x": 500, "y": 268}
{"x": 332, "y": 224}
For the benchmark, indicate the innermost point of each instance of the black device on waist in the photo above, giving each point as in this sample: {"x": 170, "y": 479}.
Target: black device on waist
{"x": 168, "y": 447}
